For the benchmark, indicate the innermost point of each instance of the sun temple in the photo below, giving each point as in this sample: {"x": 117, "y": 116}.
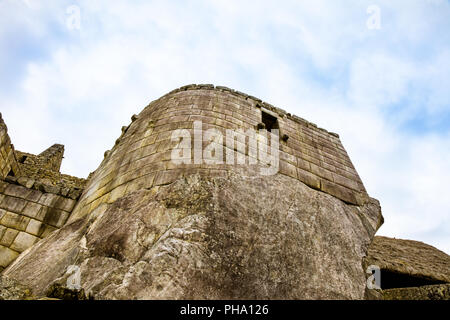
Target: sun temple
{"x": 179, "y": 209}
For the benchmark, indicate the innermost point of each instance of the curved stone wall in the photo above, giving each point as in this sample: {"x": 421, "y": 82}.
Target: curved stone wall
{"x": 141, "y": 157}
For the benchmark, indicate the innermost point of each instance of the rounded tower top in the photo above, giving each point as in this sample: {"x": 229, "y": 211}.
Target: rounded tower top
{"x": 194, "y": 123}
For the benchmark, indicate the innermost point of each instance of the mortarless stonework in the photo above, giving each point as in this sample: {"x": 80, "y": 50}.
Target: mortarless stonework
{"x": 146, "y": 228}
{"x": 35, "y": 199}
{"x": 141, "y": 157}
{"x": 410, "y": 270}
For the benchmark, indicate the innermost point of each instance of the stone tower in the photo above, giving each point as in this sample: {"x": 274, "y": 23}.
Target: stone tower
{"x": 142, "y": 155}
{"x": 210, "y": 225}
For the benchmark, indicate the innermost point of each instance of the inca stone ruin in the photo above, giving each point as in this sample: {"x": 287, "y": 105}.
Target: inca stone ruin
{"x": 143, "y": 226}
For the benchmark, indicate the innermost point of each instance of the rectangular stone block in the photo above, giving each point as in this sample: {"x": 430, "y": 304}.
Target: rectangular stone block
{"x": 34, "y": 195}
{"x": 346, "y": 182}
{"x": 117, "y": 193}
{"x": 339, "y": 192}
{"x": 141, "y": 182}
{"x": 26, "y": 182}
{"x": 303, "y": 164}
{"x": 288, "y": 169}
{"x": 13, "y": 204}
{"x": 347, "y": 174}
{"x": 48, "y": 199}
{"x": 7, "y": 256}
{"x": 327, "y": 166}
{"x": 17, "y": 191}
{"x": 288, "y": 157}
{"x": 66, "y": 204}
{"x": 8, "y": 237}
{"x": 34, "y": 210}
{"x": 321, "y": 172}
{"x": 56, "y": 217}
{"x": 167, "y": 144}
{"x": 23, "y": 241}
{"x": 15, "y": 221}
{"x": 309, "y": 179}
{"x": 34, "y": 227}
{"x": 310, "y": 159}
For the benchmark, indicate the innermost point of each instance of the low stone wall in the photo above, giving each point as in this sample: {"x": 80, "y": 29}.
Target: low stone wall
{"x": 27, "y": 215}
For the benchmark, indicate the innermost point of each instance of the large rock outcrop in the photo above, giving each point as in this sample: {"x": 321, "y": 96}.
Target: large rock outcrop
{"x": 246, "y": 237}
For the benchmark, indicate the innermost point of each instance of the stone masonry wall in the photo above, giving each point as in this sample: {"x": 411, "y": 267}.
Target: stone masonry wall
{"x": 43, "y": 174}
{"x": 27, "y": 215}
{"x": 49, "y": 159}
{"x": 141, "y": 157}
{"x": 8, "y": 163}
{"x": 35, "y": 198}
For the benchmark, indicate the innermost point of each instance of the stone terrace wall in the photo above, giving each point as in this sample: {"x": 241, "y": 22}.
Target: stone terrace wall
{"x": 141, "y": 157}
{"x": 35, "y": 198}
{"x": 43, "y": 175}
{"x": 27, "y": 215}
{"x": 8, "y": 161}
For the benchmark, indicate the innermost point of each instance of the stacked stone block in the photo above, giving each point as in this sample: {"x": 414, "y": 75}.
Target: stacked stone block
{"x": 44, "y": 170}
{"x": 35, "y": 198}
{"x": 141, "y": 157}
{"x": 27, "y": 215}
{"x": 8, "y": 163}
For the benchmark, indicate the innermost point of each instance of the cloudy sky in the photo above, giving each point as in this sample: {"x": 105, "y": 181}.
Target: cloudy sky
{"x": 376, "y": 72}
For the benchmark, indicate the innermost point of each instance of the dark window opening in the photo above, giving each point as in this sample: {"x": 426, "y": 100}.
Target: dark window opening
{"x": 11, "y": 173}
{"x": 22, "y": 159}
{"x": 390, "y": 280}
{"x": 269, "y": 121}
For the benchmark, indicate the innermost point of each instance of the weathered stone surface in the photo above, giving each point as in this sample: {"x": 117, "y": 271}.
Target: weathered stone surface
{"x": 409, "y": 257}
{"x": 35, "y": 198}
{"x": 23, "y": 241}
{"x": 432, "y": 292}
{"x": 247, "y": 237}
{"x": 8, "y": 237}
{"x": 410, "y": 270}
{"x": 7, "y": 256}
{"x": 12, "y": 290}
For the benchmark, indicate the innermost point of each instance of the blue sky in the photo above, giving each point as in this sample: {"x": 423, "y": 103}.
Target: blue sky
{"x": 384, "y": 90}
